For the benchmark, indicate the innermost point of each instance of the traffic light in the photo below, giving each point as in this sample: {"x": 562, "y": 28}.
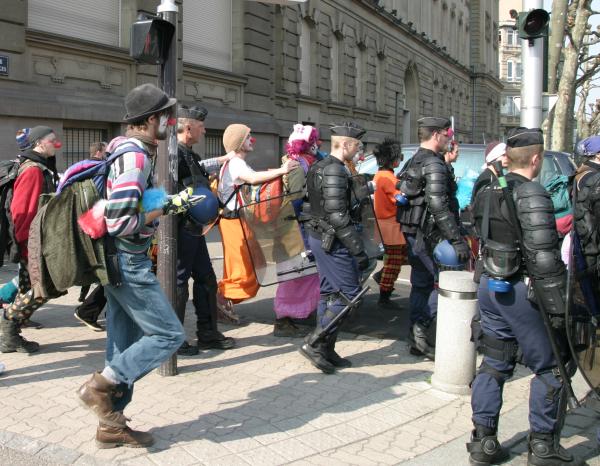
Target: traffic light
{"x": 150, "y": 40}
{"x": 533, "y": 24}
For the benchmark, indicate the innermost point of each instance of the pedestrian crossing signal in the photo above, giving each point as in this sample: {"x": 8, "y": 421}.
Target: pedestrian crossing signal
{"x": 150, "y": 40}
{"x": 533, "y": 24}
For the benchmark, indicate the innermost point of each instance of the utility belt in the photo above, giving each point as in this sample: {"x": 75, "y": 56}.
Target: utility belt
{"x": 320, "y": 229}
{"x": 501, "y": 350}
{"x": 502, "y": 263}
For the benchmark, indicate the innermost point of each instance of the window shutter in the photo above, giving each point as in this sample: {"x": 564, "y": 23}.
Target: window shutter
{"x": 92, "y": 20}
{"x": 207, "y": 33}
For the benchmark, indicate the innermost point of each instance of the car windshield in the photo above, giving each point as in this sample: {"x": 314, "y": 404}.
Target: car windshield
{"x": 470, "y": 159}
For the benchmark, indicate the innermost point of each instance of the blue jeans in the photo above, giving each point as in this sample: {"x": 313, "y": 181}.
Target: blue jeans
{"x": 142, "y": 328}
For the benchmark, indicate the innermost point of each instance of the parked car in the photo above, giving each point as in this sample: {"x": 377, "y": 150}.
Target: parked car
{"x": 471, "y": 157}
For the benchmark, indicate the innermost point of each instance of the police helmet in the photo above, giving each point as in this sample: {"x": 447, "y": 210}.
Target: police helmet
{"x": 200, "y": 218}
{"x": 445, "y": 256}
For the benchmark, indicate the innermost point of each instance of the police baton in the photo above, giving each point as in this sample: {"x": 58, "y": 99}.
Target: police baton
{"x": 510, "y": 204}
{"x": 350, "y": 304}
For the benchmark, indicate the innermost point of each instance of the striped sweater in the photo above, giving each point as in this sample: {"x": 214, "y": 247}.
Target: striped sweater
{"x": 129, "y": 176}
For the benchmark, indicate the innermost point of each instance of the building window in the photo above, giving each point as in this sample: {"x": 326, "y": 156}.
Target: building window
{"x": 207, "y": 33}
{"x": 510, "y": 76}
{"x": 335, "y": 69}
{"x": 518, "y": 71}
{"x": 500, "y": 36}
{"x": 508, "y": 107}
{"x": 213, "y": 144}
{"x": 91, "y": 20}
{"x": 360, "y": 78}
{"x": 305, "y": 65}
{"x": 77, "y": 142}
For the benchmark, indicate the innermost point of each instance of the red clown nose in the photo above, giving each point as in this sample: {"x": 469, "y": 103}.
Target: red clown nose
{"x": 171, "y": 121}
{"x": 252, "y": 140}
{"x": 57, "y": 144}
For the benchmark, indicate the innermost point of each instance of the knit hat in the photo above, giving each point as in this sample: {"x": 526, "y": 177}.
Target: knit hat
{"x": 493, "y": 151}
{"x": 23, "y": 139}
{"x": 39, "y": 132}
{"x": 234, "y": 136}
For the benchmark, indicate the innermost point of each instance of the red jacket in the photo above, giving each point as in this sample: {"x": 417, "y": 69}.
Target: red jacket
{"x": 28, "y": 187}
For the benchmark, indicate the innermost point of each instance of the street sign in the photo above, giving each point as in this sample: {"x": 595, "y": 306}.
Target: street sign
{"x": 3, "y": 65}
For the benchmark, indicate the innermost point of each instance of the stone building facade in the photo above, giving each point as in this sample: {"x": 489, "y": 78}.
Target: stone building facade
{"x": 382, "y": 63}
{"x": 510, "y": 66}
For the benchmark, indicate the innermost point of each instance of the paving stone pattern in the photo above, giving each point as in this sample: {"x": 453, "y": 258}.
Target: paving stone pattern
{"x": 259, "y": 404}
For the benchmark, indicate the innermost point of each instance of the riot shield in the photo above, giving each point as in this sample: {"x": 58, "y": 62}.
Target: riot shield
{"x": 363, "y": 215}
{"x": 275, "y": 240}
{"x": 583, "y": 316}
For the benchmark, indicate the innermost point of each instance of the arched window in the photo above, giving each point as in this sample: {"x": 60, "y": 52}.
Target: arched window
{"x": 305, "y": 58}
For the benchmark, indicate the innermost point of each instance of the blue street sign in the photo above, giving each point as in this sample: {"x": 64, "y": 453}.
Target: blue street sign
{"x": 3, "y": 65}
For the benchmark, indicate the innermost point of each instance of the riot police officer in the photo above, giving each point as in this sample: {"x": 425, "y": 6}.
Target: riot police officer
{"x": 519, "y": 247}
{"x": 192, "y": 254}
{"x": 430, "y": 217}
{"x": 334, "y": 241}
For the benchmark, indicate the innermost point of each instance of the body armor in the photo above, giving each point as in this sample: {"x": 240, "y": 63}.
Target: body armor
{"x": 429, "y": 184}
{"x": 190, "y": 172}
{"x": 330, "y": 195}
{"x": 540, "y": 249}
{"x": 586, "y": 212}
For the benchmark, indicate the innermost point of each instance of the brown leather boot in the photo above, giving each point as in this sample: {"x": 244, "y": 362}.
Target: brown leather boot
{"x": 111, "y": 437}
{"x": 96, "y": 394}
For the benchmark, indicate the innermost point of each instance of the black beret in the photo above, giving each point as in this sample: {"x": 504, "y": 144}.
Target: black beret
{"x": 521, "y": 137}
{"x": 194, "y": 113}
{"x": 434, "y": 122}
{"x": 348, "y": 129}
{"x": 39, "y": 132}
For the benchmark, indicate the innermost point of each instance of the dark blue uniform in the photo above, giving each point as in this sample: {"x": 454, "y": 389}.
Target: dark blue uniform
{"x": 336, "y": 245}
{"x": 430, "y": 217}
{"x": 516, "y": 248}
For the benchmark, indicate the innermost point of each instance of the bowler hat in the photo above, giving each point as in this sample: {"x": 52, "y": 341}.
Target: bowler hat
{"x": 145, "y": 100}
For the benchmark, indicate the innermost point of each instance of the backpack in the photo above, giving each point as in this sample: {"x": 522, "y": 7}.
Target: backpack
{"x": 559, "y": 189}
{"x": 9, "y": 170}
{"x": 263, "y": 201}
{"x": 77, "y": 258}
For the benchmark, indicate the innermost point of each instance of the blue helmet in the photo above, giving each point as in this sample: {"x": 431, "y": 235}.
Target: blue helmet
{"x": 202, "y": 216}
{"x": 588, "y": 147}
{"x": 444, "y": 255}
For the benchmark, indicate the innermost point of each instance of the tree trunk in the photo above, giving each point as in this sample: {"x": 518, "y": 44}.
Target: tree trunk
{"x": 556, "y": 41}
{"x": 563, "y": 111}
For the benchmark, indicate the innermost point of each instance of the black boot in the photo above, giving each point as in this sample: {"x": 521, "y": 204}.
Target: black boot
{"x": 332, "y": 356}
{"x": 317, "y": 355}
{"x": 209, "y": 338}
{"x": 418, "y": 340}
{"x": 545, "y": 450}
{"x": 386, "y": 302}
{"x": 484, "y": 448}
{"x": 11, "y": 340}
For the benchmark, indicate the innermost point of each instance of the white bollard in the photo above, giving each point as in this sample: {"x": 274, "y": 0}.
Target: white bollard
{"x": 455, "y": 355}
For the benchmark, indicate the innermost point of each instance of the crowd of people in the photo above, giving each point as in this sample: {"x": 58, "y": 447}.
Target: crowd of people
{"x": 419, "y": 224}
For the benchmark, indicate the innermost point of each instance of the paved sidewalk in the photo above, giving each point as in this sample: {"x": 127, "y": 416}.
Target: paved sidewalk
{"x": 259, "y": 404}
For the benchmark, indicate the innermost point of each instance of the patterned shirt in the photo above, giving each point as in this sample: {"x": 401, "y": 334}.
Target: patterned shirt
{"x": 129, "y": 176}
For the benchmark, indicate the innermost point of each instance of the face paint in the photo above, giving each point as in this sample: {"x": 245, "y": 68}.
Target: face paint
{"x": 163, "y": 124}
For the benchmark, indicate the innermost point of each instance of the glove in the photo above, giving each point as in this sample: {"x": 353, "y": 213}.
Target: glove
{"x": 181, "y": 202}
{"x": 362, "y": 260}
{"x": 463, "y": 253}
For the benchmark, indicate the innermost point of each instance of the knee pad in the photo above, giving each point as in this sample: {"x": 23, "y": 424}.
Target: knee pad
{"x": 499, "y": 376}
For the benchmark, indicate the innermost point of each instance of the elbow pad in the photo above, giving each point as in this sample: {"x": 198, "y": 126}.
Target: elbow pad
{"x": 540, "y": 239}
